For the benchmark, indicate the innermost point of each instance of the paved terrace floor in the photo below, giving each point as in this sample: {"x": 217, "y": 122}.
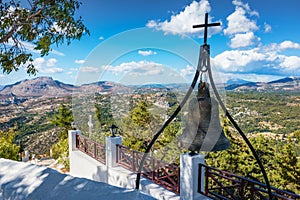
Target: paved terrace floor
{"x": 21, "y": 181}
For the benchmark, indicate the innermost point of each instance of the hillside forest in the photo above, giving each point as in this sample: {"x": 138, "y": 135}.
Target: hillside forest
{"x": 269, "y": 119}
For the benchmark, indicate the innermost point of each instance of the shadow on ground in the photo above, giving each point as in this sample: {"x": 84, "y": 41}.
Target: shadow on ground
{"x": 27, "y": 181}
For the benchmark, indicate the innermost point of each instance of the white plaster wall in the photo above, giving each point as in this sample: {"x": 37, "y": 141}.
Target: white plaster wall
{"x": 81, "y": 165}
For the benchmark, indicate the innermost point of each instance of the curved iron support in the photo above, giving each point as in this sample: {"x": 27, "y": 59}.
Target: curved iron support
{"x": 169, "y": 120}
{"x": 240, "y": 131}
{"x": 243, "y": 136}
{"x": 183, "y": 102}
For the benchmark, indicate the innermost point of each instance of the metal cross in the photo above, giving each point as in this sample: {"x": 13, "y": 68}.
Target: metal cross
{"x": 205, "y": 25}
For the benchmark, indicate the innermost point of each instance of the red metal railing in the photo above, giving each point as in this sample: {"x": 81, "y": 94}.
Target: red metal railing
{"x": 220, "y": 184}
{"x": 159, "y": 172}
{"x": 91, "y": 148}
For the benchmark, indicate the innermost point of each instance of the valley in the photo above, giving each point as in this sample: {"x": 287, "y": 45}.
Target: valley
{"x": 270, "y": 112}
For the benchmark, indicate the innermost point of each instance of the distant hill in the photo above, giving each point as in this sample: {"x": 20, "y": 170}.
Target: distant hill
{"x": 47, "y": 87}
{"x": 41, "y": 86}
{"x": 237, "y": 81}
{"x": 286, "y": 80}
{"x": 285, "y": 84}
{"x": 101, "y": 86}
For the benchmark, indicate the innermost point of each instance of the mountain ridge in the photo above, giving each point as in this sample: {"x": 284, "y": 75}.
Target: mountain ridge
{"x": 291, "y": 83}
{"x": 47, "y": 87}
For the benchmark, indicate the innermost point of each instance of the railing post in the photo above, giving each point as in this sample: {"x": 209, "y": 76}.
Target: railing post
{"x": 95, "y": 150}
{"x": 178, "y": 180}
{"x": 118, "y": 152}
{"x": 133, "y": 161}
{"x": 153, "y": 169}
{"x": 25, "y": 158}
{"x": 72, "y": 139}
{"x": 111, "y": 150}
{"x": 206, "y": 181}
{"x": 72, "y": 147}
{"x": 189, "y": 172}
{"x": 84, "y": 144}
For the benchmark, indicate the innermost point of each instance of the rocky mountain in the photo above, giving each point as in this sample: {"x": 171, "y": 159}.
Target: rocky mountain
{"x": 285, "y": 84}
{"x": 41, "y": 86}
{"x": 47, "y": 87}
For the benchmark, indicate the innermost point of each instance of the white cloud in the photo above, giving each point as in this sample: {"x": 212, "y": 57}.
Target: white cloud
{"x": 89, "y": 69}
{"x": 240, "y": 27}
{"x": 146, "y": 53}
{"x": 267, "y": 27}
{"x": 101, "y": 38}
{"x": 264, "y": 59}
{"x": 242, "y": 40}
{"x": 52, "y": 70}
{"x": 182, "y": 23}
{"x": 46, "y": 66}
{"x": 245, "y": 6}
{"x": 239, "y": 23}
{"x": 152, "y": 24}
{"x": 237, "y": 60}
{"x": 141, "y": 68}
{"x": 289, "y": 45}
{"x": 188, "y": 71}
{"x": 249, "y": 77}
{"x": 79, "y": 61}
{"x": 57, "y": 53}
{"x": 291, "y": 63}
{"x": 51, "y": 62}
{"x": 74, "y": 69}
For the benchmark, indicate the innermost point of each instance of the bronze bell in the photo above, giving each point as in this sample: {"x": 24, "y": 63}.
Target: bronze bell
{"x": 203, "y": 131}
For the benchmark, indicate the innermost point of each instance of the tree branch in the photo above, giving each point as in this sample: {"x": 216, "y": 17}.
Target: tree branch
{"x": 9, "y": 34}
{"x": 16, "y": 26}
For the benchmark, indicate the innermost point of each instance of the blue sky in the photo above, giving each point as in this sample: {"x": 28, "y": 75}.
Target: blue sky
{"x": 147, "y": 41}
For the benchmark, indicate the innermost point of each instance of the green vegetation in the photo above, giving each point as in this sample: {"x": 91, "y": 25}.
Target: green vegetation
{"x": 279, "y": 158}
{"x": 8, "y": 149}
{"x": 269, "y": 120}
{"x": 103, "y": 112}
{"x": 265, "y": 112}
{"x": 41, "y": 23}
{"x": 62, "y": 119}
{"x": 61, "y": 152}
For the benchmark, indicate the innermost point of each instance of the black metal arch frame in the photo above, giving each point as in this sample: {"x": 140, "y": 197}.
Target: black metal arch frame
{"x": 201, "y": 62}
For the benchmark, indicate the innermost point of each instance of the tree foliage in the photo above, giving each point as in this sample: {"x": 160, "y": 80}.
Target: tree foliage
{"x": 103, "y": 112}
{"x": 63, "y": 119}
{"x": 140, "y": 126}
{"x": 279, "y": 158}
{"x": 8, "y": 149}
{"x": 61, "y": 152}
{"x": 33, "y": 26}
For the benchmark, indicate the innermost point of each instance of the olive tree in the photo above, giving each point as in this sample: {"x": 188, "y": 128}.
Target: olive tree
{"x": 34, "y": 26}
